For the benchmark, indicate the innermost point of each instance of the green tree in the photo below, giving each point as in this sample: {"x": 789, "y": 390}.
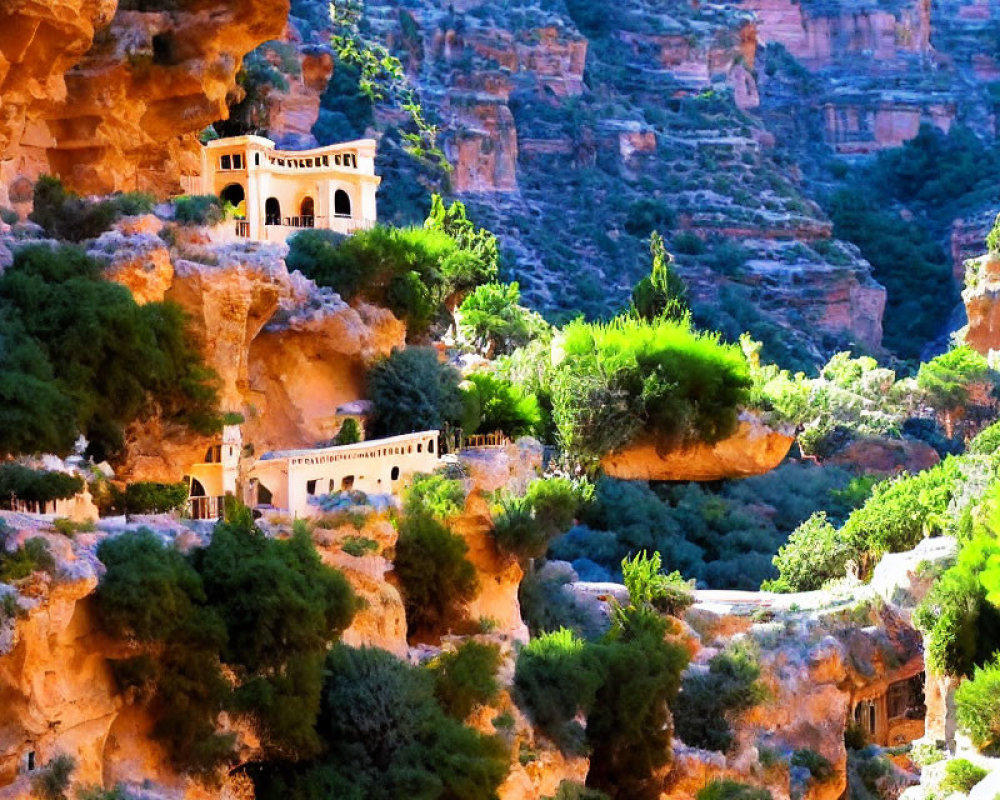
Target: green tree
{"x": 477, "y": 260}
{"x": 502, "y": 405}
{"x": 815, "y": 553}
{"x": 436, "y": 578}
{"x": 977, "y": 704}
{"x": 412, "y": 390}
{"x": 494, "y": 320}
{"x": 661, "y": 293}
{"x": 466, "y": 678}
{"x": 349, "y": 433}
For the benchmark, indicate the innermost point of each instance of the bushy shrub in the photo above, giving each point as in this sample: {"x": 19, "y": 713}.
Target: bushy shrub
{"x": 198, "y": 209}
{"x": 349, "y": 433}
{"x": 987, "y": 441}
{"x": 815, "y": 553}
{"x": 8, "y": 216}
{"x": 946, "y": 379}
{"x": 33, "y": 556}
{"x": 731, "y": 685}
{"x": 67, "y": 216}
{"x": 900, "y": 512}
{"x": 950, "y": 613}
{"x": 501, "y": 406}
{"x": 960, "y": 775}
{"x": 492, "y": 318}
{"x": 621, "y": 683}
{"x": 359, "y": 546}
{"x": 466, "y": 678}
{"x": 52, "y": 782}
{"x": 81, "y": 356}
{"x": 524, "y": 525}
{"x": 477, "y": 260}
{"x": 648, "y": 586}
{"x": 435, "y": 576}
{"x": 435, "y": 494}
{"x": 35, "y": 486}
{"x": 386, "y": 737}
{"x": 977, "y": 704}
{"x": 412, "y": 390}
{"x": 661, "y": 293}
{"x": 819, "y": 766}
{"x": 727, "y": 789}
{"x": 556, "y": 679}
{"x": 411, "y": 271}
{"x": 633, "y": 379}
{"x": 153, "y": 498}
{"x": 265, "y": 609}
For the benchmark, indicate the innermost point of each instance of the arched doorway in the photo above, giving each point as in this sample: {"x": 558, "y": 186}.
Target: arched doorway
{"x": 272, "y": 211}
{"x": 234, "y": 194}
{"x": 341, "y": 204}
{"x": 308, "y": 213}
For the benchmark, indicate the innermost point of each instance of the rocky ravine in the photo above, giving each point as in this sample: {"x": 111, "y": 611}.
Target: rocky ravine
{"x": 819, "y": 654}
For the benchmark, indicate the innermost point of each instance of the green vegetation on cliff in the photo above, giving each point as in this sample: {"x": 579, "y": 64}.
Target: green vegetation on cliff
{"x": 80, "y": 356}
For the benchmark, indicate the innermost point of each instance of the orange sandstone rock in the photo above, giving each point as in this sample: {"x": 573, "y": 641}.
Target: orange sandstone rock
{"x": 753, "y": 450}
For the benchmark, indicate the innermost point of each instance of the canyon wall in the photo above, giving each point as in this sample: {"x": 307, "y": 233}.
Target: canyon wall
{"x": 112, "y": 99}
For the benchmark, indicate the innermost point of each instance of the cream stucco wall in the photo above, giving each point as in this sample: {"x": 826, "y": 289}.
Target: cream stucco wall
{"x": 379, "y": 466}
{"x": 285, "y": 179}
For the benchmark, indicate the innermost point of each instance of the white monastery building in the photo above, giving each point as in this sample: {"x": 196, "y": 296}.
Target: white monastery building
{"x": 279, "y": 192}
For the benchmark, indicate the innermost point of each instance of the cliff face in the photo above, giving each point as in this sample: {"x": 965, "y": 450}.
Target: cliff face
{"x": 113, "y": 99}
{"x": 287, "y": 352}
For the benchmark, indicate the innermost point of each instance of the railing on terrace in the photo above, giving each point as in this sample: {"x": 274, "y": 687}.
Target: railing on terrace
{"x": 206, "y": 507}
{"x": 496, "y": 439}
{"x": 243, "y": 229}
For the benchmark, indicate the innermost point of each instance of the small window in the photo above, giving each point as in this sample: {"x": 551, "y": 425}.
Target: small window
{"x": 309, "y": 162}
{"x": 336, "y": 160}
{"x": 256, "y": 159}
{"x": 227, "y": 162}
{"x": 420, "y": 448}
{"x": 29, "y": 761}
{"x": 311, "y": 487}
{"x": 237, "y": 161}
{"x": 430, "y": 446}
{"x": 326, "y": 161}
{"x": 347, "y": 483}
{"x": 394, "y": 474}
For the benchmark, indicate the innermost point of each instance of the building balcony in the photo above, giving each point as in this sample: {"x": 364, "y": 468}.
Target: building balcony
{"x": 278, "y": 229}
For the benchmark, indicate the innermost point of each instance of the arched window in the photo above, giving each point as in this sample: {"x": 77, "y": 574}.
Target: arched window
{"x": 272, "y": 211}
{"x": 264, "y": 495}
{"x": 233, "y": 193}
{"x": 308, "y": 212}
{"x": 341, "y": 203}
{"x": 197, "y": 490}
{"x": 394, "y": 474}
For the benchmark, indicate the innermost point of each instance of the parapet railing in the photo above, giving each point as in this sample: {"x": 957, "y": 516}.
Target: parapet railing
{"x": 496, "y": 439}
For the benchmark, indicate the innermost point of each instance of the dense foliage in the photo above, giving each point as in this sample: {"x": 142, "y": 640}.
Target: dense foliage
{"x": 706, "y": 700}
{"x": 724, "y": 536}
{"x": 621, "y": 683}
{"x": 264, "y": 609}
{"x": 727, "y": 789}
{"x": 35, "y": 486}
{"x": 411, "y": 390}
{"x": 466, "y": 678}
{"x": 79, "y": 355}
{"x": 386, "y": 737}
{"x": 977, "y": 703}
{"x": 415, "y": 272}
{"x": 493, "y": 404}
{"x": 32, "y": 556}
{"x": 434, "y": 574}
{"x": 523, "y": 525}
{"x": 68, "y": 217}
{"x": 661, "y": 293}
{"x": 492, "y": 318}
{"x": 960, "y": 775}
{"x": 658, "y": 380}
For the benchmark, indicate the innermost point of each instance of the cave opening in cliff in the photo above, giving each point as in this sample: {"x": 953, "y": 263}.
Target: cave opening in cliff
{"x": 165, "y": 50}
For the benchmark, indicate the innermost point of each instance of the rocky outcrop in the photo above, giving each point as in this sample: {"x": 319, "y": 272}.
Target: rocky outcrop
{"x": 885, "y": 456}
{"x": 488, "y": 470}
{"x": 114, "y": 99}
{"x": 982, "y": 303}
{"x": 754, "y": 449}
{"x": 287, "y": 353}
